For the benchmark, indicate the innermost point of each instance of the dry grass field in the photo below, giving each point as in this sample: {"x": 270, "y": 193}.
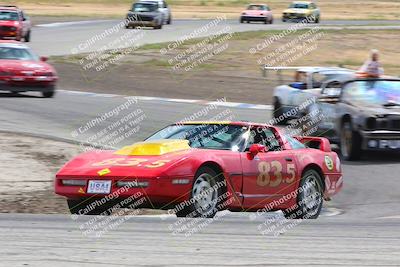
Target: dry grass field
{"x": 331, "y": 9}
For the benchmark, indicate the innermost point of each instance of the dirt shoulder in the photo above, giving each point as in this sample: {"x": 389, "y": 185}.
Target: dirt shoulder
{"x": 233, "y": 72}
{"x": 28, "y": 167}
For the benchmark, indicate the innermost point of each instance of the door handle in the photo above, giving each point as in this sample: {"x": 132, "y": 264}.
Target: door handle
{"x": 289, "y": 159}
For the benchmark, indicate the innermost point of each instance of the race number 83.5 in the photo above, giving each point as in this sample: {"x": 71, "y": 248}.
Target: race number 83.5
{"x": 274, "y": 168}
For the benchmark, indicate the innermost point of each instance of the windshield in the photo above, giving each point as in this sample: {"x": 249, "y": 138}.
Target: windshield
{"x": 298, "y": 5}
{"x": 373, "y": 92}
{"x": 15, "y": 53}
{"x": 256, "y": 7}
{"x": 8, "y": 15}
{"x": 206, "y": 136}
{"x": 144, "y": 7}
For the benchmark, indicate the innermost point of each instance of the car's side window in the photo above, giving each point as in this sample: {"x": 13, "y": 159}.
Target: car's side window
{"x": 264, "y": 136}
{"x": 318, "y": 79}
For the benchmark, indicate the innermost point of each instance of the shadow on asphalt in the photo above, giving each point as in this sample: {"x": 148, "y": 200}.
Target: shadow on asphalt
{"x": 10, "y": 95}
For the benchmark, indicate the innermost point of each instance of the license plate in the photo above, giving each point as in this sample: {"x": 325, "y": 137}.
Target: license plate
{"x": 99, "y": 187}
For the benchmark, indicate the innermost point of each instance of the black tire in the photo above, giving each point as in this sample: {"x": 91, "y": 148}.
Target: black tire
{"x": 266, "y": 21}
{"x": 78, "y": 206}
{"x": 283, "y": 20}
{"x": 309, "y": 198}
{"x": 278, "y": 112}
{"x": 207, "y": 180}
{"x": 317, "y": 20}
{"x": 48, "y": 94}
{"x": 169, "y": 21}
{"x": 27, "y": 37}
{"x": 241, "y": 20}
{"x": 350, "y": 142}
{"x": 159, "y": 27}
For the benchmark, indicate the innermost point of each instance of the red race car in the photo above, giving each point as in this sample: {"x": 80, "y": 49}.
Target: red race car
{"x": 14, "y": 24}
{"x": 21, "y": 70}
{"x": 198, "y": 168}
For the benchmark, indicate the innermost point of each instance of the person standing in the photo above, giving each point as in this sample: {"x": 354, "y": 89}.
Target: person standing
{"x": 372, "y": 68}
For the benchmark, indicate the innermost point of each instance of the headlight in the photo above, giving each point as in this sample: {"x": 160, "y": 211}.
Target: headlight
{"x": 371, "y": 123}
{"x": 5, "y": 73}
{"x": 74, "y": 182}
{"x": 133, "y": 184}
{"x": 180, "y": 181}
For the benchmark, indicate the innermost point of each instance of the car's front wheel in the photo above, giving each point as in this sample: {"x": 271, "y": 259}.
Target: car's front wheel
{"x": 49, "y": 92}
{"x": 350, "y": 142}
{"x": 27, "y": 37}
{"x": 278, "y": 116}
{"x": 309, "y": 197}
{"x": 206, "y": 193}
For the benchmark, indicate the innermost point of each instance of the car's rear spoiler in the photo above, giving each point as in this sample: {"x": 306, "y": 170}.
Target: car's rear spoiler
{"x": 320, "y": 143}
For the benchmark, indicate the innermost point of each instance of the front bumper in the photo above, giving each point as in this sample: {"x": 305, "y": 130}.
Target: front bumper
{"x": 253, "y": 18}
{"x": 160, "y": 192}
{"x": 292, "y": 16}
{"x": 152, "y": 23}
{"x": 9, "y": 35}
{"x": 42, "y": 84}
{"x": 381, "y": 140}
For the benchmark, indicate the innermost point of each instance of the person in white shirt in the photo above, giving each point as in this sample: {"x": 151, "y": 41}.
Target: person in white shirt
{"x": 372, "y": 67}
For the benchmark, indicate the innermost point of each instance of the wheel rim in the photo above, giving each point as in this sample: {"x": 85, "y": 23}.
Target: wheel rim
{"x": 346, "y": 142}
{"x": 204, "y": 194}
{"x": 312, "y": 196}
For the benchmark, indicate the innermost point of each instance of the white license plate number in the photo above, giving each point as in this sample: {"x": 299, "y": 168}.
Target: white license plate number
{"x": 99, "y": 187}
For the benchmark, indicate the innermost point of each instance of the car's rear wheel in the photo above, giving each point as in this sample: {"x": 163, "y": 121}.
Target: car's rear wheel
{"x": 205, "y": 195}
{"x": 87, "y": 207}
{"x": 317, "y": 19}
{"x": 169, "y": 19}
{"x": 159, "y": 27}
{"x": 309, "y": 197}
{"x": 241, "y": 20}
{"x": 350, "y": 142}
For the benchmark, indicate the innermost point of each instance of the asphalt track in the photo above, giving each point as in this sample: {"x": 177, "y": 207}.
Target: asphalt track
{"x": 364, "y": 230}
{"x": 67, "y": 38}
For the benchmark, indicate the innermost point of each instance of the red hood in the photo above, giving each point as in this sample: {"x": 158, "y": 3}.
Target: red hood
{"x": 25, "y": 65}
{"x": 10, "y": 23}
{"x": 90, "y": 163}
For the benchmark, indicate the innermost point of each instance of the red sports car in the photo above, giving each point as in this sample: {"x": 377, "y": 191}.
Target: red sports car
{"x": 14, "y": 24}
{"x": 21, "y": 70}
{"x": 198, "y": 168}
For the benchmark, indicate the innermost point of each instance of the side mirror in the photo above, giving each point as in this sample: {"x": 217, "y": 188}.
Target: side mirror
{"x": 256, "y": 148}
{"x": 44, "y": 59}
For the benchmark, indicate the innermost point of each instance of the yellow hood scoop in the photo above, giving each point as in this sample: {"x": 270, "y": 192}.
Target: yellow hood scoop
{"x": 154, "y": 148}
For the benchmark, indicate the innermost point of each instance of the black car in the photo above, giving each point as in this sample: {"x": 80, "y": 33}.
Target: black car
{"x": 145, "y": 14}
{"x": 361, "y": 114}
